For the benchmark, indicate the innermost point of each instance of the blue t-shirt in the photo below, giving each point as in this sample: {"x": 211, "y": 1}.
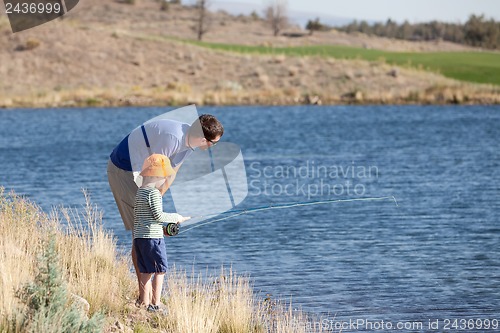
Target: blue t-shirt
{"x": 167, "y": 137}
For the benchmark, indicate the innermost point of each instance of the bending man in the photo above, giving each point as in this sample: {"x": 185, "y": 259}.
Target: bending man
{"x": 174, "y": 139}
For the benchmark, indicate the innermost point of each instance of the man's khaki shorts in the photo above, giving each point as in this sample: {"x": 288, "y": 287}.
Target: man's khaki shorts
{"x": 124, "y": 190}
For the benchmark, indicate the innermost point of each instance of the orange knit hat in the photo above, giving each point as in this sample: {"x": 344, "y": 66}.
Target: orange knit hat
{"x": 157, "y": 165}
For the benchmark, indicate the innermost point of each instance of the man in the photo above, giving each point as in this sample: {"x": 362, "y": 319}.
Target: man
{"x": 171, "y": 138}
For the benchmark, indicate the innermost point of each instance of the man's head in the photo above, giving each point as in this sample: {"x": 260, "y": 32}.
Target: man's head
{"x": 205, "y": 132}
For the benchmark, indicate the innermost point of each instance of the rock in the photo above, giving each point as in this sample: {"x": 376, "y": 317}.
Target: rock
{"x": 179, "y": 55}
{"x": 293, "y": 71}
{"x": 119, "y": 326}
{"x": 229, "y": 85}
{"x": 315, "y": 100}
{"x": 81, "y": 303}
{"x": 279, "y": 59}
{"x": 348, "y": 75}
{"x": 393, "y": 72}
{"x": 458, "y": 98}
{"x": 259, "y": 72}
{"x": 264, "y": 79}
{"x": 138, "y": 59}
{"x": 6, "y": 103}
{"x": 356, "y": 96}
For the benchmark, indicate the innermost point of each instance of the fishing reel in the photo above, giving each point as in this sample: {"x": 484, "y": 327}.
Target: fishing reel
{"x": 171, "y": 229}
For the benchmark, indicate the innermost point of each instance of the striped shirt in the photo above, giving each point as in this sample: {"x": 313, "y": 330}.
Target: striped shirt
{"x": 148, "y": 214}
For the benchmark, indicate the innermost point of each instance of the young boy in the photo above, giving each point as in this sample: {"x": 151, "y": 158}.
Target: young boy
{"x": 149, "y": 220}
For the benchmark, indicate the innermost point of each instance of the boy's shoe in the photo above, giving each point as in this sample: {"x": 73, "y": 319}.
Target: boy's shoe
{"x": 157, "y": 309}
{"x": 138, "y": 303}
{"x": 153, "y": 308}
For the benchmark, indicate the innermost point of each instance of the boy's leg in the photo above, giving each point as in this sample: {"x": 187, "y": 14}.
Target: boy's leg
{"x": 145, "y": 288}
{"x": 157, "y": 288}
{"x": 161, "y": 267}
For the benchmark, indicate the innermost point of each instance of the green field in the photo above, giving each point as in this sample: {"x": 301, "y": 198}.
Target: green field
{"x": 480, "y": 67}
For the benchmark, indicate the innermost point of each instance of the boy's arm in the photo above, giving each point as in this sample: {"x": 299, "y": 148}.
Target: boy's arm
{"x": 156, "y": 206}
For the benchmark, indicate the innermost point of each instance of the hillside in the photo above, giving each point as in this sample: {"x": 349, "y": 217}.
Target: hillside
{"x": 110, "y": 53}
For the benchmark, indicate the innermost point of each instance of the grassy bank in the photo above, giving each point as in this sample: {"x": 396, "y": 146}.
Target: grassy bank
{"x": 479, "y": 67}
{"x": 436, "y": 94}
{"x": 72, "y": 279}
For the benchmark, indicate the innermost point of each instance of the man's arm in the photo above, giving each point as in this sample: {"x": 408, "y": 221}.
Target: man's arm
{"x": 170, "y": 180}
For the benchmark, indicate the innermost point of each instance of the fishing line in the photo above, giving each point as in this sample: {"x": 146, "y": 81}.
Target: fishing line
{"x": 236, "y": 213}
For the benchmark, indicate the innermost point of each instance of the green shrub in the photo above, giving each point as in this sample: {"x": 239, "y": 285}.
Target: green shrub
{"x": 48, "y": 305}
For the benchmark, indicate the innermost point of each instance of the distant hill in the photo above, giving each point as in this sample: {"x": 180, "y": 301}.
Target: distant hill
{"x": 106, "y": 52}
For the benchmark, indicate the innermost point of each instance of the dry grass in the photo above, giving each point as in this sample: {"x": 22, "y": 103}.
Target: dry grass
{"x": 22, "y": 230}
{"x": 87, "y": 257}
{"x": 91, "y": 268}
{"x": 350, "y": 93}
{"x": 225, "y": 304}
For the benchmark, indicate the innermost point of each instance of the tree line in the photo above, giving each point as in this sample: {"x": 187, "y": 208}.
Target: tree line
{"x": 477, "y": 31}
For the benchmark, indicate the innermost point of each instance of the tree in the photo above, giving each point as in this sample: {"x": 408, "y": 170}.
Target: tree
{"x": 406, "y": 31}
{"x": 477, "y": 31}
{"x": 202, "y": 18}
{"x": 254, "y": 16}
{"x": 391, "y": 28}
{"x": 314, "y": 26}
{"x": 364, "y": 27}
{"x": 276, "y": 15}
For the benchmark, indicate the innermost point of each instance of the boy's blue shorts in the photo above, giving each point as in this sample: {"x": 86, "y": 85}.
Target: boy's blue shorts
{"x": 151, "y": 255}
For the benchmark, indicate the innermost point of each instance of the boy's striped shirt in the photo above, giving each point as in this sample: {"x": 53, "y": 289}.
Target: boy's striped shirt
{"x": 148, "y": 214}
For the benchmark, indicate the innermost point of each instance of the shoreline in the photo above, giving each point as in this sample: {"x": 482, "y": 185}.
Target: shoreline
{"x": 106, "y": 98}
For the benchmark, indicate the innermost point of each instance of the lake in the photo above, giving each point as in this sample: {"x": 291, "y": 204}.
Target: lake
{"x": 434, "y": 258}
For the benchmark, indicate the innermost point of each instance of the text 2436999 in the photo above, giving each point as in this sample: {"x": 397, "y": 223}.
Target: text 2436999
{"x": 32, "y": 7}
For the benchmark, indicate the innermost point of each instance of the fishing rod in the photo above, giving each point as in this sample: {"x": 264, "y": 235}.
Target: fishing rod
{"x": 239, "y": 212}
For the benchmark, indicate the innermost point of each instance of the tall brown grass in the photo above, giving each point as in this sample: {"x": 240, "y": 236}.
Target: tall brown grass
{"x": 92, "y": 268}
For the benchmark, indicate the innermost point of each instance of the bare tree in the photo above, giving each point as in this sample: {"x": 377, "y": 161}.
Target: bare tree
{"x": 202, "y": 18}
{"x": 276, "y": 15}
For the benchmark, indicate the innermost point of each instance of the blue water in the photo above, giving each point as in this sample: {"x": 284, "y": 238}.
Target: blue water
{"x": 435, "y": 257}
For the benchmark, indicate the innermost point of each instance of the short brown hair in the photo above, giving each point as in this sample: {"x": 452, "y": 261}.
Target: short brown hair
{"x": 209, "y": 124}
